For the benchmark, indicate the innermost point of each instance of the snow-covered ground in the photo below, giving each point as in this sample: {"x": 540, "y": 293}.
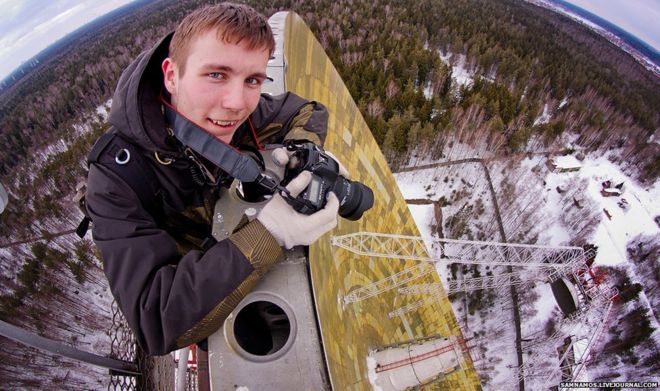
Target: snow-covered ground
{"x": 629, "y": 218}
{"x": 556, "y": 200}
{"x": 460, "y": 74}
{"x": 544, "y": 118}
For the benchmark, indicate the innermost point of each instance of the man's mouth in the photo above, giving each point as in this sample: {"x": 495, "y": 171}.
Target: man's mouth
{"x": 224, "y": 124}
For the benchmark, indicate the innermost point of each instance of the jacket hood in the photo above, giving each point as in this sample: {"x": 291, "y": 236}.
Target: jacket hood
{"x": 136, "y": 109}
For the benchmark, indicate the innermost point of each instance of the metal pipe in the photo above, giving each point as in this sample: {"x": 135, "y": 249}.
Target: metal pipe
{"x": 182, "y": 369}
{"x": 36, "y": 341}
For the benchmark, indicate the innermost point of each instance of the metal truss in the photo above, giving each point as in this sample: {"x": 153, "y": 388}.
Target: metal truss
{"x": 470, "y": 284}
{"x": 548, "y": 263}
{"x": 575, "y": 335}
{"x": 386, "y": 284}
{"x": 461, "y": 251}
{"x": 574, "y": 339}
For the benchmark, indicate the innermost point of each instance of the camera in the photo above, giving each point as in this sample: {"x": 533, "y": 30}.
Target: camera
{"x": 354, "y": 197}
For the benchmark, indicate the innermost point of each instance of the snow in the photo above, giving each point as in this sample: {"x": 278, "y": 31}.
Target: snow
{"x": 613, "y": 234}
{"x": 104, "y": 109}
{"x": 423, "y": 216}
{"x": 556, "y": 235}
{"x": 3, "y": 198}
{"x": 494, "y": 325}
{"x": 544, "y": 118}
{"x": 83, "y": 318}
{"x": 459, "y": 73}
{"x": 567, "y": 161}
{"x": 428, "y": 90}
{"x": 545, "y": 306}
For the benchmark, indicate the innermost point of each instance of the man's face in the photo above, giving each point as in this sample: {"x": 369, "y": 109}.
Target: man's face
{"x": 221, "y": 84}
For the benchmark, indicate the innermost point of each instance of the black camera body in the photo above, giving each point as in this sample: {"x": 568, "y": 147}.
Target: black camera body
{"x": 354, "y": 197}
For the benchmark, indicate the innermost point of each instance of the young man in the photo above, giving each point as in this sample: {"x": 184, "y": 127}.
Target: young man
{"x": 173, "y": 282}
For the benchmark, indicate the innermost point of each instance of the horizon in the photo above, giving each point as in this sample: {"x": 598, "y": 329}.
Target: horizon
{"x": 34, "y": 28}
{"x": 637, "y": 18}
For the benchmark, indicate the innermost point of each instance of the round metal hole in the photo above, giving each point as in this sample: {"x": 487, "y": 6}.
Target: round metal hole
{"x": 262, "y": 329}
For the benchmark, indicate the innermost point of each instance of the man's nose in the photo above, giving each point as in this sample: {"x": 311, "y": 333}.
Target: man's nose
{"x": 234, "y": 97}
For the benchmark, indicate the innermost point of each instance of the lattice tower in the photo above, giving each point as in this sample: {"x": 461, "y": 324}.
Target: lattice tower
{"x": 533, "y": 263}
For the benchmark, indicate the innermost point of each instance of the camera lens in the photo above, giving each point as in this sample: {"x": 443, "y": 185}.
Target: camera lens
{"x": 354, "y": 197}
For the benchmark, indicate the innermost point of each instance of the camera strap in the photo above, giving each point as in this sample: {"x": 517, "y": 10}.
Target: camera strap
{"x": 299, "y": 204}
{"x": 223, "y": 155}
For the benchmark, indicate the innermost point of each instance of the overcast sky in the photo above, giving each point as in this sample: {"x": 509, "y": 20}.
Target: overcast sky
{"x": 29, "y": 26}
{"x": 638, "y": 17}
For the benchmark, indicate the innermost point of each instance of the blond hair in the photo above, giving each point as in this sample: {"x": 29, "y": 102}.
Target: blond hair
{"x": 233, "y": 23}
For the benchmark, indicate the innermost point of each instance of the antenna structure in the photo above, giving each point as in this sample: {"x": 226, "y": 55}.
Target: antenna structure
{"x": 575, "y": 336}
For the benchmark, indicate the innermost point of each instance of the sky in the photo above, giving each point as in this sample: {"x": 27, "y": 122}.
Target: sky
{"x": 638, "y": 17}
{"x": 29, "y": 26}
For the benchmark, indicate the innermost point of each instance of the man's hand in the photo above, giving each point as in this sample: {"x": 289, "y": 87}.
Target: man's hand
{"x": 291, "y": 228}
{"x": 281, "y": 157}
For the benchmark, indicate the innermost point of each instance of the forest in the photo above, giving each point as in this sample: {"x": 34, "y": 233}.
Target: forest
{"x": 397, "y": 60}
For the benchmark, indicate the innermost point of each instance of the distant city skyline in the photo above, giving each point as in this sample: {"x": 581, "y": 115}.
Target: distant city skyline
{"x": 29, "y": 26}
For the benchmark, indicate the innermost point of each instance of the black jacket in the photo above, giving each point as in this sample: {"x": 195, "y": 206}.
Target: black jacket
{"x": 171, "y": 291}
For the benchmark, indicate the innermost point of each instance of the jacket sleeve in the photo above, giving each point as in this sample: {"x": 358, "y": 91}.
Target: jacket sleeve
{"x": 288, "y": 116}
{"x": 170, "y": 301}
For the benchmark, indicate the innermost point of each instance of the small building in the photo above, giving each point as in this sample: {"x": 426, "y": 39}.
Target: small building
{"x": 610, "y": 192}
{"x": 608, "y": 189}
{"x": 566, "y": 163}
{"x": 578, "y": 201}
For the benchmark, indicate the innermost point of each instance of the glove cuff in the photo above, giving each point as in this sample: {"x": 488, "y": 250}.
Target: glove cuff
{"x": 258, "y": 245}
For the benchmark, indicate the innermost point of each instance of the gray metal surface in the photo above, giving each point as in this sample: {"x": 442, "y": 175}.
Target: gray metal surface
{"x": 281, "y": 302}
{"x": 299, "y": 363}
{"x": 277, "y": 64}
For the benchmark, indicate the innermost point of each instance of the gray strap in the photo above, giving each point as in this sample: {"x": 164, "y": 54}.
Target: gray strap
{"x": 234, "y": 163}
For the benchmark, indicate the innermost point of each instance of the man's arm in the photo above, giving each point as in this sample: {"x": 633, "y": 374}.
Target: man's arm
{"x": 288, "y": 116}
{"x": 168, "y": 300}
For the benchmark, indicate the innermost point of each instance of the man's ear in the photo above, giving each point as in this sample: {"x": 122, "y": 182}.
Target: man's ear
{"x": 170, "y": 74}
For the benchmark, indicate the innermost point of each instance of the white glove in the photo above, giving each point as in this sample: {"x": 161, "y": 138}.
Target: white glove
{"x": 281, "y": 157}
{"x": 291, "y": 228}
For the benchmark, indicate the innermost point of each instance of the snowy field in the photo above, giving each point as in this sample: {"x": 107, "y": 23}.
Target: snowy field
{"x": 558, "y": 207}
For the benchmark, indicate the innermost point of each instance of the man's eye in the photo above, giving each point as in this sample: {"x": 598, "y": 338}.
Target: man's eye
{"x": 253, "y": 81}
{"x": 216, "y": 75}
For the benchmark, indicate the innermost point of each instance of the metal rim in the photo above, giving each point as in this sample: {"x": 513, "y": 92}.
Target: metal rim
{"x": 254, "y": 297}
{"x": 123, "y": 156}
